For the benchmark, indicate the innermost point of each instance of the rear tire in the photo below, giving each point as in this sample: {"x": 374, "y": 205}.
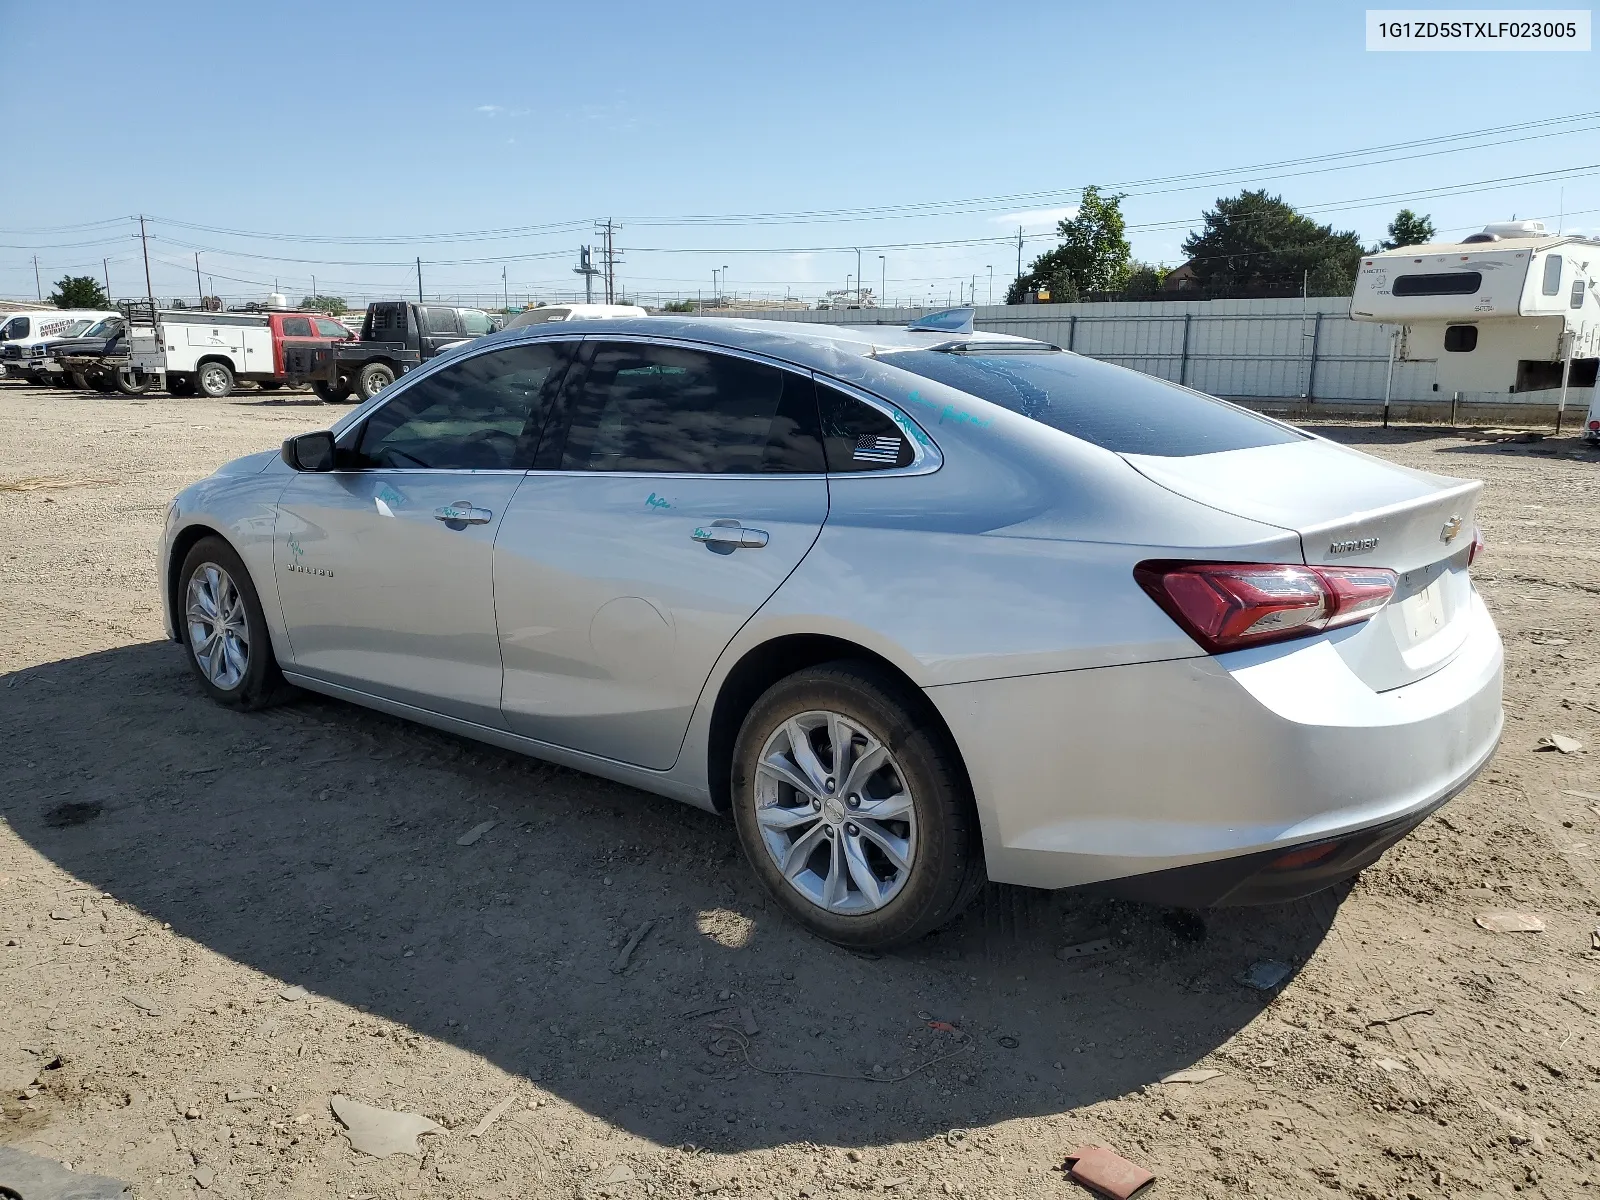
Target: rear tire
{"x": 79, "y": 380}
{"x": 220, "y": 612}
{"x": 331, "y": 394}
{"x": 214, "y": 380}
{"x": 373, "y": 379}
{"x": 129, "y": 384}
{"x": 270, "y": 385}
{"x": 862, "y": 881}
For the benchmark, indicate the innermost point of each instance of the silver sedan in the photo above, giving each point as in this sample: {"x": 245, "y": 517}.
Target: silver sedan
{"x": 917, "y": 607}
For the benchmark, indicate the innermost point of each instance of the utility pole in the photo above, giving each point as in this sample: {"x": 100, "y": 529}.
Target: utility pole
{"x": 858, "y": 274}
{"x": 1019, "y": 251}
{"x": 883, "y": 278}
{"x": 314, "y": 292}
{"x": 972, "y": 294}
{"x": 609, "y": 251}
{"x": 419, "y": 279}
{"x": 990, "y": 269}
{"x": 505, "y": 285}
{"x": 197, "y": 287}
{"x": 38, "y": 289}
{"x": 105, "y": 266}
{"x": 149, "y": 292}
{"x": 588, "y": 270}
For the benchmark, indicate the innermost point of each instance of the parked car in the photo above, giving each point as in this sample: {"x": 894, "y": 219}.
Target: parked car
{"x": 573, "y": 312}
{"x": 192, "y": 350}
{"x": 396, "y": 335}
{"x": 93, "y": 358}
{"x": 25, "y": 338}
{"x": 917, "y": 607}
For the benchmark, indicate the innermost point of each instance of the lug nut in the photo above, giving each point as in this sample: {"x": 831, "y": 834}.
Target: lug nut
{"x": 828, "y": 785}
{"x": 854, "y": 801}
{"x": 816, "y": 806}
{"x": 851, "y": 829}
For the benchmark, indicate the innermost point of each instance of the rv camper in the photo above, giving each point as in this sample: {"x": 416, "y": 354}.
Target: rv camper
{"x": 1506, "y": 312}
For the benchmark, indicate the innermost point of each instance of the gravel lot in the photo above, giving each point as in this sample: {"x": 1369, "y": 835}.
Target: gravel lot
{"x": 168, "y": 869}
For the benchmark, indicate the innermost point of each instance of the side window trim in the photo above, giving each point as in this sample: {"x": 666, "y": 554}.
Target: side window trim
{"x": 553, "y": 444}
{"x": 350, "y": 436}
{"x": 927, "y": 458}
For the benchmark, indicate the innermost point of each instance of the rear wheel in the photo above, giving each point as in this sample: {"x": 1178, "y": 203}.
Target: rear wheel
{"x": 214, "y": 379}
{"x": 853, "y": 809}
{"x": 331, "y": 394}
{"x": 130, "y": 384}
{"x": 225, "y": 631}
{"x": 373, "y": 379}
{"x": 270, "y": 385}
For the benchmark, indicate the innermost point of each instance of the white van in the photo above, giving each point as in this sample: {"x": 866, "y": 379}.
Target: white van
{"x": 573, "y": 312}
{"x": 25, "y": 337}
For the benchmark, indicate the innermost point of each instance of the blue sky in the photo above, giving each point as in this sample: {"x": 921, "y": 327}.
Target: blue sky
{"x": 330, "y": 126}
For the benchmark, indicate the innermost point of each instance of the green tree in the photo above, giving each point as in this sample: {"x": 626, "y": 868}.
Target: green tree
{"x": 1408, "y": 229}
{"x": 1093, "y": 255}
{"x": 678, "y": 306}
{"x": 1144, "y": 281}
{"x": 332, "y": 305}
{"x": 80, "y": 291}
{"x": 1256, "y": 241}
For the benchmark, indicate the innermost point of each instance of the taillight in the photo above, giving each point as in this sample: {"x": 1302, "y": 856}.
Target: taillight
{"x": 1228, "y": 606}
{"x": 1595, "y": 425}
{"x": 1478, "y": 546}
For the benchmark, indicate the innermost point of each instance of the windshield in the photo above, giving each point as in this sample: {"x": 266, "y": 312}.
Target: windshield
{"x": 73, "y": 329}
{"x": 1124, "y": 411}
{"x": 103, "y": 328}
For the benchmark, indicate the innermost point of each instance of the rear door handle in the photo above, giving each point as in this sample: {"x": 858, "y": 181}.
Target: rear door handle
{"x": 724, "y": 537}
{"x": 461, "y": 513}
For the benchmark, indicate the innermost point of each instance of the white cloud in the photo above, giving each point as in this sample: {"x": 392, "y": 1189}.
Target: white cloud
{"x": 1039, "y": 220}
{"x": 492, "y": 110}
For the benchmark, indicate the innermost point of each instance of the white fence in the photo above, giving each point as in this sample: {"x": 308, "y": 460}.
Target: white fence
{"x": 1295, "y": 350}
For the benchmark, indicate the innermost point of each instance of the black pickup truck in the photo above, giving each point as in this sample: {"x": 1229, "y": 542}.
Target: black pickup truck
{"x": 396, "y": 335}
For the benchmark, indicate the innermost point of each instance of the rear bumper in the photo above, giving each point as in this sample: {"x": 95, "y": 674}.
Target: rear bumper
{"x": 1185, "y": 781}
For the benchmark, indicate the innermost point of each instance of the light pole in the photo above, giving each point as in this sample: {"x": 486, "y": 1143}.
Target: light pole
{"x": 990, "y": 269}
{"x": 883, "y": 278}
{"x": 714, "y": 273}
{"x": 858, "y": 275}
{"x": 847, "y": 278}
{"x": 724, "y": 275}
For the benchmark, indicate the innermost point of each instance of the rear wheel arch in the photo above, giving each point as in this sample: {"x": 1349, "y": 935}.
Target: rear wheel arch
{"x": 764, "y": 665}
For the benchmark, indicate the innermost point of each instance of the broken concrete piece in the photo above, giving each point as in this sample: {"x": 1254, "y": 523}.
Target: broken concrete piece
{"x": 1506, "y": 921}
{"x": 1559, "y": 741}
{"x": 1107, "y": 1172}
{"x": 1265, "y": 975}
{"x": 490, "y": 1117}
{"x": 381, "y": 1132}
{"x": 476, "y": 832}
{"x": 242, "y": 1094}
{"x": 29, "y": 1176}
{"x": 1391, "y": 1065}
{"x": 1191, "y": 1075}
{"x": 204, "y": 1175}
{"x": 611, "y": 1182}
{"x": 291, "y": 994}
{"x": 147, "y": 1007}
{"x": 626, "y": 956}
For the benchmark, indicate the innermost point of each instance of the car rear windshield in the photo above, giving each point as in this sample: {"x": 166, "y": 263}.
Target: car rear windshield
{"x": 1121, "y": 410}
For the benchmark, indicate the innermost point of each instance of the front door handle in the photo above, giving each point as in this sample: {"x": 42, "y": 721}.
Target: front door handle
{"x": 461, "y": 514}
{"x": 724, "y": 537}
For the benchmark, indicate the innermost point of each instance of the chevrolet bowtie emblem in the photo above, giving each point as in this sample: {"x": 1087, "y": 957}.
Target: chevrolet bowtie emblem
{"x": 1451, "y": 528}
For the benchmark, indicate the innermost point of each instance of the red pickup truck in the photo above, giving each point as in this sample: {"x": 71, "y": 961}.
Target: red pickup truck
{"x": 298, "y": 328}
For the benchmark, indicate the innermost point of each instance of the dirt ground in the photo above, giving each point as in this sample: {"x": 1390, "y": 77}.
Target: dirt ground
{"x": 168, "y": 869}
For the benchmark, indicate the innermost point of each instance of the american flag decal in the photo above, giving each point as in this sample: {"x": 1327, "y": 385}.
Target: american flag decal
{"x": 877, "y": 449}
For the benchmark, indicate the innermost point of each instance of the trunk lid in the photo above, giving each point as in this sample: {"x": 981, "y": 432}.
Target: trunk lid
{"x": 1351, "y": 509}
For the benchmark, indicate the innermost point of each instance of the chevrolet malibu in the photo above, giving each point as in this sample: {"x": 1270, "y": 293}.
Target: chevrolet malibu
{"x": 916, "y": 607}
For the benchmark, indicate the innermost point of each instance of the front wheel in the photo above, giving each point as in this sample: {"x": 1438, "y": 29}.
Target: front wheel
{"x": 853, "y": 809}
{"x": 214, "y": 379}
{"x": 373, "y": 379}
{"x": 225, "y": 631}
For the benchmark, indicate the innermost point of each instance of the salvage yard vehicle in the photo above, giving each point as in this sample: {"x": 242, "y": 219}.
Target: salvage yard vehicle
{"x": 917, "y": 607}
{"x": 96, "y": 358}
{"x": 396, "y": 335}
{"x": 187, "y": 351}
{"x": 26, "y": 339}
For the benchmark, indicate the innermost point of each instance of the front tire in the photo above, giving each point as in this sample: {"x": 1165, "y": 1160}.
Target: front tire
{"x": 373, "y": 379}
{"x": 853, "y": 808}
{"x": 214, "y": 380}
{"x": 224, "y": 629}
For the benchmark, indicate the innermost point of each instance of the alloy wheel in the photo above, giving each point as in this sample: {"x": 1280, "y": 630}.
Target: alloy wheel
{"x": 219, "y": 636}
{"x": 835, "y": 812}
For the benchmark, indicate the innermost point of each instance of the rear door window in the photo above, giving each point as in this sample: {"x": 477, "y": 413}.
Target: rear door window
{"x": 857, "y": 437}
{"x": 668, "y": 409}
{"x": 297, "y": 327}
{"x": 1124, "y": 411}
{"x": 441, "y": 320}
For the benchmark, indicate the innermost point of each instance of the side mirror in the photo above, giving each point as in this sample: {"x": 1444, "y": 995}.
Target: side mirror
{"x": 309, "y": 451}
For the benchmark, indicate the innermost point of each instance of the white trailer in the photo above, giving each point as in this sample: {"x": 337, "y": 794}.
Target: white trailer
{"x": 191, "y": 350}
{"x": 1509, "y": 311}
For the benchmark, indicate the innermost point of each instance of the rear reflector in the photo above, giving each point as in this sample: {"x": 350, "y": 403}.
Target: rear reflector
{"x": 1479, "y": 545}
{"x": 1227, "y": 606}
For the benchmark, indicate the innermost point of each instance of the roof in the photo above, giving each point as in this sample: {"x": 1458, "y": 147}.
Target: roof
{"x": 802, "y": 343}
{"x": 1546, "y": 242}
